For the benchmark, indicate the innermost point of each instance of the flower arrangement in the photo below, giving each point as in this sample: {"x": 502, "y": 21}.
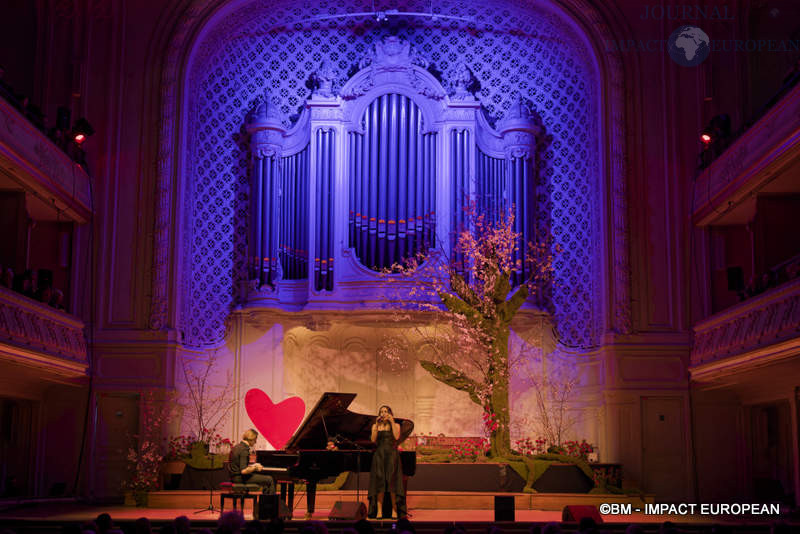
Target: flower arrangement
{"x": 579, "y": 450}
{"x": 573, "y": 448}
{"x": 145, "y": 453}
{"x": 469, "y": 449}
{"x": 530, "y": 447}
{"x": 490, "y": 421}
{"x": 144, "y": 463}
{"x": 180, "y": 447}
{"x": 220, "y": 445}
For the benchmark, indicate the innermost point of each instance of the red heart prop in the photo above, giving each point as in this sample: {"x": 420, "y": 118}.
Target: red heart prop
{"x": 276, "y": 422}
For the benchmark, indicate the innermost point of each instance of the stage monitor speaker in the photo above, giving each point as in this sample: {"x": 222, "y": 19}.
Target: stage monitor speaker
{"x": 577, "y": 512}
{"x": 348, "y": 510}
{"x": 735, "y": 278}
{"x": 504, "y": 508}
{"x": 271, "y": 506}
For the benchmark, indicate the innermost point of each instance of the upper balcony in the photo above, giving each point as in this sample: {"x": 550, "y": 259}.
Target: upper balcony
{"x": 35, "y": 334}
{"x": 762, "y": 329}
{"x": 32, "y": 161}
{"x": 764, "y": 159}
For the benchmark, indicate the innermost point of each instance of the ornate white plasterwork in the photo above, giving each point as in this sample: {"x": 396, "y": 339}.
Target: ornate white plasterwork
{"x": 392, "y": 55}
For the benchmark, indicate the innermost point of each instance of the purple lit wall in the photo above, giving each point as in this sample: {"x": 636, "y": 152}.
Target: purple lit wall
{"x": 256, "y": 47}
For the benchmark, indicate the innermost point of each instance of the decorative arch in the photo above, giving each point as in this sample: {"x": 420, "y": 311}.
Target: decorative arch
{"x": 191, "y": 46}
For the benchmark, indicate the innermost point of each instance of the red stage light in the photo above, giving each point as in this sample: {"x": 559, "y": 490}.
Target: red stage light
{"x": 705, "y": 138}
{"x": 81, "y": 131}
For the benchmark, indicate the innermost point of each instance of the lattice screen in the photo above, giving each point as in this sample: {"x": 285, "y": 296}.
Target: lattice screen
{"x": 274, "y": 46}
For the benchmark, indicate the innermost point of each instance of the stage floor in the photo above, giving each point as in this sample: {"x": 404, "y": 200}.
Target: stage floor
{"x": 63, "y": 512}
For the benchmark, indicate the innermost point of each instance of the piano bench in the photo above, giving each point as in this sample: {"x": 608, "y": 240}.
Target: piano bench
{"x": 239, "y": 493}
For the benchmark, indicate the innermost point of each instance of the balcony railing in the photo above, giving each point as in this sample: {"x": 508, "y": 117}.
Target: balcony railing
{"x": 40, "y": 166}
{"x": 758, "y": 323}
{"x": 749, "y": 164}
{"x": 34, "y": 333}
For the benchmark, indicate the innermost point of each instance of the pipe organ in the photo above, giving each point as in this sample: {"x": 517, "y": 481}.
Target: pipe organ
{"x": 379, "y": 172}
{"x": 392, "y": 192}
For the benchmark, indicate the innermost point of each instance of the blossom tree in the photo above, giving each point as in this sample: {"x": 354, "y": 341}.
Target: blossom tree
{"x": 552, "y": 382}
{"x": 208, "y": 402}
{"x": 471, "y": 302}
{"x": 145, "y": 453}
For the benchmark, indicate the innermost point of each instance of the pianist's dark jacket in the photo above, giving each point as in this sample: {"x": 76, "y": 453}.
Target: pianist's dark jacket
{"x": 239, "y": 459}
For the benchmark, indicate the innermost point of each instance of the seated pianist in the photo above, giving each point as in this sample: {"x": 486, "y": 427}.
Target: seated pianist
{"x": 240, "y": 469}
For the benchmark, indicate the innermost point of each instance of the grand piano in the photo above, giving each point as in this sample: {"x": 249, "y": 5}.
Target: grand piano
{"x": 306, "y": 459}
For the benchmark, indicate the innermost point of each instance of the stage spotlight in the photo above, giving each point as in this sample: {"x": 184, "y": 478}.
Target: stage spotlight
{"x": 81, "y": 130}
{"x": 717, "y": 134}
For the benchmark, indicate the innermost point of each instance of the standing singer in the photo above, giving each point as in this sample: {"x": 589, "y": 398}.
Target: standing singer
{"x": 385, "y": 474}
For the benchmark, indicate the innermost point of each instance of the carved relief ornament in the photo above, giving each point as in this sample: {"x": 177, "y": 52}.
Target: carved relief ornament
{"x": 265, "y": 128}
{"x": 392, "y": 59}
{"x": 519, "y": 130}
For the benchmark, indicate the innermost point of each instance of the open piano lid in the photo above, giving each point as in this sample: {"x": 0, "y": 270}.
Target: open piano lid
{"x": 330, "y": 417}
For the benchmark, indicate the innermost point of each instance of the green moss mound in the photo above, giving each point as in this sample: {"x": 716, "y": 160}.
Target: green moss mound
{"x": 530, "y": 468}
{"x": 200, "y": 458}
{"x": 337, "y": 484}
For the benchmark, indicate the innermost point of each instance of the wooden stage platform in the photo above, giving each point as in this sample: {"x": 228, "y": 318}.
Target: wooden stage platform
{"x": 418, "y": 501}
{"x": 430, "y": 512}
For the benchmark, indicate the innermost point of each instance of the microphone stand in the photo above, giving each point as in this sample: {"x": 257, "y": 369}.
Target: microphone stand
{"x": 210, "y": 507}
{"x": 359, "y": 449}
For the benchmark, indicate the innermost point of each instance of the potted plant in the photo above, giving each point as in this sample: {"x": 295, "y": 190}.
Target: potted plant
{"x": 207, "y": 406}
{"x": 188, "y": 450}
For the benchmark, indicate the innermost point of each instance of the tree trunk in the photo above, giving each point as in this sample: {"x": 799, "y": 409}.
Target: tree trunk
{"x": 500, "y": 438}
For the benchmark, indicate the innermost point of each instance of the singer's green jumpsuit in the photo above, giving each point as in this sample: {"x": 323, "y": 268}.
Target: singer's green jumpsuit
{"x": 385, "y": 473}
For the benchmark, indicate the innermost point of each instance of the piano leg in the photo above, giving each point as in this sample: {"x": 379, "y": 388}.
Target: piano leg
{"x": 311, "y": 497}
{"x": 287, "y": 494}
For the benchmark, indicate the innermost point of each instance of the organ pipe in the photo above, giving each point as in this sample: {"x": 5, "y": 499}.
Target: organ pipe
{"x": 491, "y": 194}
{"x": 293, "y": 245}
{"x": 460, "y": 191}
{"x": 265, "y": 217}
{"x": 266, "y": 131}
{"x": 392, "y": 181}
{"x": 519, "y": 131}
{"x": 323, "y": 232}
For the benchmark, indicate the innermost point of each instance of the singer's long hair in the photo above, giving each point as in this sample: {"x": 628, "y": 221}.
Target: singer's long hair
{"x": 388, "y": 409}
